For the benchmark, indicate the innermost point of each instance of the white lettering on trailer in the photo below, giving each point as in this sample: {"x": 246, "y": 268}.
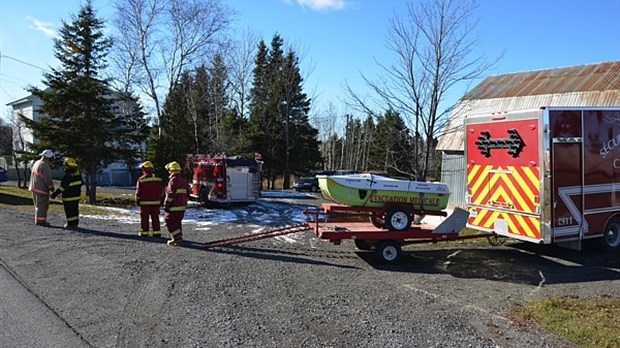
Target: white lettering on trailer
{"x": 617, "y": 163}
{"x": 609, "y": 146}
{"x": 565, "y": 194}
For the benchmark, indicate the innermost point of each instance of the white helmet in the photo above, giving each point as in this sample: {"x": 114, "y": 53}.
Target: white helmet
{"x": 47, "y": 153}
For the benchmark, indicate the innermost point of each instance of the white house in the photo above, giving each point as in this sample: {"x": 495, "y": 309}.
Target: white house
{"x": 116, "y": 174}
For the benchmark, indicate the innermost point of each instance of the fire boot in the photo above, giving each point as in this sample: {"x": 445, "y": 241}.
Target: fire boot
{"x": 177, "y": 238}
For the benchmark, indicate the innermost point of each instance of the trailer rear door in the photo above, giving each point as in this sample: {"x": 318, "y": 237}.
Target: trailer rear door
{"x": 567, "y": 175}
{"x": 503, "y": 174}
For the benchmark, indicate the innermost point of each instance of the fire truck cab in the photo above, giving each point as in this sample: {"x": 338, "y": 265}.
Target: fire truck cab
{"x": 549, "y": 175}
{"x": 220, "y": 179}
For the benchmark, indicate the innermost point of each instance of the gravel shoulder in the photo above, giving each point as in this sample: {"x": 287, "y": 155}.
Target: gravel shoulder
{"x": 114, "y": 289}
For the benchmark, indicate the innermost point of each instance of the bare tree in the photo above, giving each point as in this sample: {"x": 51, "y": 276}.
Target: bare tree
{"x": 433, "y": 43}
{"x": 159, "y": 40}
{"x": 241, "y": 61}
{"x": 326, "y": 124}
{"x": 20, "y": 146}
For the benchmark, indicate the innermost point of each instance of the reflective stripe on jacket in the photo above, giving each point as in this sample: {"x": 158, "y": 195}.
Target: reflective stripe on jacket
{"x": 41, "y": 178}
{"x": 149, "y": 190}
{"x": 71, "y": 186}
{"x": 176, "y": 193}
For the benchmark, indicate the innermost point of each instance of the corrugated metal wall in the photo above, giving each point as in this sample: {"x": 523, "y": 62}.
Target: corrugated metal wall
{"x": 453, "y": 174}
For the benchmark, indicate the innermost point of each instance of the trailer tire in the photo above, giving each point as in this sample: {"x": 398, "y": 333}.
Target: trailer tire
{"x": 398, "y": 219}
{"x": 388, "y": 251}
{"x": 377, "y": 221}
{"x": 362, "y": 244}
{"x": 610, "y": 242}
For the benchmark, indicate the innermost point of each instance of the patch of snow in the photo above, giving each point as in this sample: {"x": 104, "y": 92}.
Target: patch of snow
{"x": 286, "y": 194}
{"x": 262, "y": 214}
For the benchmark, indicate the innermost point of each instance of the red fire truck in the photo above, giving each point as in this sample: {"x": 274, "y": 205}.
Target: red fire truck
{"x": 550, "y": 175}
{"x": 220, "y": 179}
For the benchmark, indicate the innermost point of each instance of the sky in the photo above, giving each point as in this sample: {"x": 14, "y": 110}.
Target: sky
{"x": 338, "y": 40}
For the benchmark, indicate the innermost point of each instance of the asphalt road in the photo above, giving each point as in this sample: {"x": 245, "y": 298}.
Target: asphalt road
{"x": 27, "y": 321}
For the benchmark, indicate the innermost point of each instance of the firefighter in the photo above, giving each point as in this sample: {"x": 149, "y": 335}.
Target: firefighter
{"x": 148, "y": 198}
{"x": 175, "y": 202}
{"x": 71, "y": 191}
{"x": 41, "y": 185}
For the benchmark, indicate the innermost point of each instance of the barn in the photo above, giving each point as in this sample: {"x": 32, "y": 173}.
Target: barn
{"x": 586, "y": 85}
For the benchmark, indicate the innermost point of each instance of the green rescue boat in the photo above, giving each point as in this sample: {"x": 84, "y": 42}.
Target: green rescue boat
{"x": 370, "y": 190}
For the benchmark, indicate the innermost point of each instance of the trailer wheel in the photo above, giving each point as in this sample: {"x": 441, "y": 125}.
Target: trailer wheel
{"x": 361, "y": 244}
{"x": 611, "y": 239}
{"x": 377, "y": 221}
{"x": 388, "y": 251}
{"x": 398, "y": 219}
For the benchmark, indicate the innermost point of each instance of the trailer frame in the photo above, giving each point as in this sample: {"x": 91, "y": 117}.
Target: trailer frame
{"x": 337, "y": 222}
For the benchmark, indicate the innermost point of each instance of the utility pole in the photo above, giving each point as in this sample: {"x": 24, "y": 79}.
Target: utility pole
{"x": 287, "y": 171}
{"x": 345, "y": 155}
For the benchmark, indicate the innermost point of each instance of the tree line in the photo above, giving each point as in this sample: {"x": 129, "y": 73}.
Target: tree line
{"x": 212, "y": 94}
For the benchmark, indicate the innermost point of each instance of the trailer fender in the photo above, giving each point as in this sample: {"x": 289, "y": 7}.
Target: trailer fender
{"x": 453, "y": 223}
{"x": 377, "y": 220}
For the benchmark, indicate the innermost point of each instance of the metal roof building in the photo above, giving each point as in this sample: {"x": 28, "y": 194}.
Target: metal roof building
{"x": 580, "y": 86}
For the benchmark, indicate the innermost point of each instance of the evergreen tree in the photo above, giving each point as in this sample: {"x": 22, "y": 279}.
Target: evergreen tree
{"x": 135, "y": 128}
{"x": 78, "y": 119}
{"x": 392, "y": 145}
{"x": 278, "y": 125}
{"x": 261, "y": 126}
{"x": 219, "y": 101}
{"x": 199, "y": 107}
{"x": 302, "y": 149}
{"x": 197, "y": 117}
{"x": 178, "y": 140}
{"x": 233, "y": 128}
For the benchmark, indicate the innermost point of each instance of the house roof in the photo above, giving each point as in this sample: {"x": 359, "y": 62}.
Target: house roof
{"x": 27, "y": 99}
{"x": 583, "y": 85}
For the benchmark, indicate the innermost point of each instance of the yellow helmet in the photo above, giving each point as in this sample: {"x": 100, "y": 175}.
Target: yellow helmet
{"x": 173, "y": 167}
{"x": 147, "y": 164}
{"x": 70, "y": 162}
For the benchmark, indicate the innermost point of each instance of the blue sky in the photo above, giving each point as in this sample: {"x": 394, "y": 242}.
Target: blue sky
{"x": 339, "y": 39}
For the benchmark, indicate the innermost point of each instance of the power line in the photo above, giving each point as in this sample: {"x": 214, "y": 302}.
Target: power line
{"x": 23, "y": 62}
{"x": 14, "y": 78}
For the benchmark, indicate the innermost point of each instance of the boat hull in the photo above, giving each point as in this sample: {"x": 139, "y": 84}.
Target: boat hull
{"x": 365, "y": 190}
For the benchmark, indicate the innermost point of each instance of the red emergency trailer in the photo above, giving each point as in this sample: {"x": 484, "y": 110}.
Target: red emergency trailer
{"x": 549, "y": 175}
{"x": 220, "y": 179}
